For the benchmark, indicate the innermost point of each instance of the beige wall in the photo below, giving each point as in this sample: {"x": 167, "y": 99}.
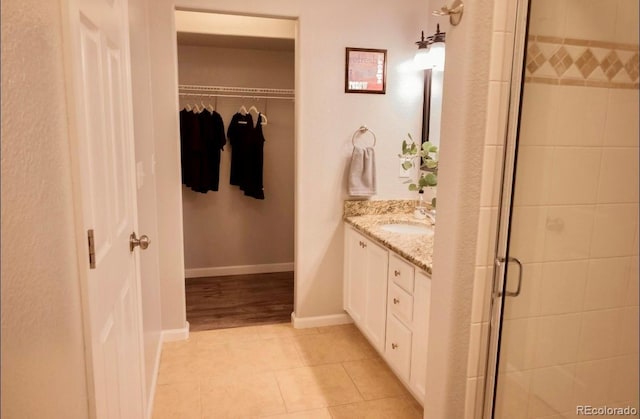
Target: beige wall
{"x": 226, "y": 228}
{"x": 43, "y": 360}
{"x": 164, "y": 108}
{"x": 571, "y": 336}
{"x": 325, "y": 120}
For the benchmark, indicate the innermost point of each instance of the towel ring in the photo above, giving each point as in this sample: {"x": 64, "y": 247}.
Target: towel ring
{"x": 362, "y": 130}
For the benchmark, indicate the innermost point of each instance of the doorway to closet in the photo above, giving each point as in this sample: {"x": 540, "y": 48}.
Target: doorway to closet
{"x": 239, "y": 224}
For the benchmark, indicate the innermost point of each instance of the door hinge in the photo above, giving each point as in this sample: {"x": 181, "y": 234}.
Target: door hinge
{"x": 92, "y": 249}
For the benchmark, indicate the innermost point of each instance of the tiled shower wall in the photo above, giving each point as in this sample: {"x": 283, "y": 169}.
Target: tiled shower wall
{"x": 571, "y": 337}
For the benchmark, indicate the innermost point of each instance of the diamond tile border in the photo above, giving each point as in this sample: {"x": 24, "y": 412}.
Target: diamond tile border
{"x": 577, "y": 65}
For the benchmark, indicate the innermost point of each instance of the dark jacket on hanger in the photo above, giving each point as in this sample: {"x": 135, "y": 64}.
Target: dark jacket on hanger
{"x": 202, "y": 138}
{"x": 247, "y": 154}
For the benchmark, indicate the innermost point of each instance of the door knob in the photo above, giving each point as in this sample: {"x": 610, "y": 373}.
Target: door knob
{"x": 143, "y": 242}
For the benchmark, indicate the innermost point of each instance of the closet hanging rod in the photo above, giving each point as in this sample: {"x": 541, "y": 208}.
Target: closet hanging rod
{"x": 244, "y": 91}
{"x": 258, "y": 96}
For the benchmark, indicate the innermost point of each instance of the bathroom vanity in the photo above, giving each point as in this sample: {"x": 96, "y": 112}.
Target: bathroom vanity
{"x": 387, "y": 287}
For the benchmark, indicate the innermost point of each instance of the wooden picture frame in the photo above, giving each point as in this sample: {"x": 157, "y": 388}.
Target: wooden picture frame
{"x": 365, "y": 70}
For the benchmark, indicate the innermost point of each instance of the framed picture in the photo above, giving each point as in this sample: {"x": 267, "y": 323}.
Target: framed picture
{"x": 365, "y": 70}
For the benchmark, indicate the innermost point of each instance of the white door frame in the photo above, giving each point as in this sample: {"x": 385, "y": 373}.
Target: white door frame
{"x": 201, "y": 7}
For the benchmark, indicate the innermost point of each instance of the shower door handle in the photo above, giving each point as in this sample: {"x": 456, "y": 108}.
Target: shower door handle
{"x": 499, "y": 262}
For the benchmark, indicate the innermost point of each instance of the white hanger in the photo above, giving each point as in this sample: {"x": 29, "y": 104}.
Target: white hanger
{"x": 187, "y": 107}
{"x": 243, "y": 110}
{"x": 263, "y": 117}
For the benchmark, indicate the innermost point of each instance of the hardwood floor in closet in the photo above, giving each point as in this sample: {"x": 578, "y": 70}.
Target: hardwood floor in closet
{"x": 239, "y": 300}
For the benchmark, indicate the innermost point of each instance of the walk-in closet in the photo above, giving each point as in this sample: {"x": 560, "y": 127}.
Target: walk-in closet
{"x": 236, "y": 81}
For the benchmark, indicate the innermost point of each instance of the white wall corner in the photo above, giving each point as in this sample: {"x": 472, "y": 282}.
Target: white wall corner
{"x": 466, "y": 83}
{"x": 173, "y": 335}
{"x": 320, "y": 321}
{"x": 154, "y": 378}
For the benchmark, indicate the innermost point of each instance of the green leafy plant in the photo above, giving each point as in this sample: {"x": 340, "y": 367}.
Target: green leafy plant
{"x": 427, "y": 155}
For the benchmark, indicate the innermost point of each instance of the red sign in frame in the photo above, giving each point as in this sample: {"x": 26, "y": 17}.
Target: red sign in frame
{"x": 365, "y": 70}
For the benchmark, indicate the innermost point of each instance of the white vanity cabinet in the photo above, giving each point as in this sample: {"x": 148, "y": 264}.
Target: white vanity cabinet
{"x": 420, "y": 327}
{"x": 399, "y": 315}
{"x": 408, "y": 323}
{"x": 388, "y": 299}
{"x": 365, "y": 286}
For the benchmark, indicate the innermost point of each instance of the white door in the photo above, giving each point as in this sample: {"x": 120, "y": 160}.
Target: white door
{"x": 98, "y": 40}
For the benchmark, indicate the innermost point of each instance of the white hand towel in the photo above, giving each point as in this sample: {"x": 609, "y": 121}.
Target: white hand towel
{"x": 362, "y": 173}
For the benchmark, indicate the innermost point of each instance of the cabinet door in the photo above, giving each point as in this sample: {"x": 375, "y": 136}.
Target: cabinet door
{"x": 401, "y": 272}
{"x": 398, "y": 347}
{"x": 355, "y": 276}
{"x": 376, "y": 300}
{"x": 400, "y": 303}
{"x": 421, "y": 306}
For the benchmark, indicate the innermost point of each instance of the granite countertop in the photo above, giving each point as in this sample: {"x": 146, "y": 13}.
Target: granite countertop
{"x": 416, "y": 248}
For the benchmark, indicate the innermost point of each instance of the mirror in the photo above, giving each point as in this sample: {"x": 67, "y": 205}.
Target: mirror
{"x": 432, "y": 106}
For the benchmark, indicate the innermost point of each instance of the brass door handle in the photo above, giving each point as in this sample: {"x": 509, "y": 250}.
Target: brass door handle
{"x": 143, "y": 242}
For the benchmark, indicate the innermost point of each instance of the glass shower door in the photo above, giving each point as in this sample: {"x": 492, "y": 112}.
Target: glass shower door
{"x": 569, "y": 340}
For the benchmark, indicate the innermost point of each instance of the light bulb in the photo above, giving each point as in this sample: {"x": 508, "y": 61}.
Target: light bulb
{"x": 437, "y": 53}
{"x": 422, "y": 59}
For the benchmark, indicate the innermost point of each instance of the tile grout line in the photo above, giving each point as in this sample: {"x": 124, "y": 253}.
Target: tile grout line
{"x": 352, "y": 380}
{"x": 200, "y": 397}
{"x": 284, "y": 403}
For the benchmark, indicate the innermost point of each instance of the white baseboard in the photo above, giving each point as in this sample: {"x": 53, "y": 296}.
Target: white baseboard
{"x": 154, "y": 380}
{"x": 238, "y": 270}
{"x": 319, "y": 321}
{"x": 172, "y": 335}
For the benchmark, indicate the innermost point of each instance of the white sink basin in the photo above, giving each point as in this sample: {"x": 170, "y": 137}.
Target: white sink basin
{"x": 404, "y": 228}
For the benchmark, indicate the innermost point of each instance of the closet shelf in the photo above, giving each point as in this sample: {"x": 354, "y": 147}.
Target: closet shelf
{"x": 229, "y": 91}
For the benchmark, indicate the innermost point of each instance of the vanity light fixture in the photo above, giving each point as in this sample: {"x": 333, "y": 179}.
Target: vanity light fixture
{"x": 422, "y": 57}
{"x": 430, "y": 54}
{"x": 454, "y": 12}
{"x": 437, "y": 50}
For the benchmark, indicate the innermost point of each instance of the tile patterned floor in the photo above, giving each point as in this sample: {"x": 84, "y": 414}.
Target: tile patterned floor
{"x": 275, "y": 371}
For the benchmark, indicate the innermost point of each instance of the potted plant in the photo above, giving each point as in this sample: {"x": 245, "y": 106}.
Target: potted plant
{"x": 427, "y": 156}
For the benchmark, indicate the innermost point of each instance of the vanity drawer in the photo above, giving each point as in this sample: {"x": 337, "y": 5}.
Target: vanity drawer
{"x": 400, "y": 302}
{"x": 401, "y": 273}
{"x": 398, "y": 347}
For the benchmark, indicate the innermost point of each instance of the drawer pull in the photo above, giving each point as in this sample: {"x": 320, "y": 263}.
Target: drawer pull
{"x": 396, "y": 301}
{"x": 394, "y": 346}
{"x": 396, "y": 273}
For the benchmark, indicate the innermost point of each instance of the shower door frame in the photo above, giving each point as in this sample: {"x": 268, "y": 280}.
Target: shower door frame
{"x": 502, "y": 258}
